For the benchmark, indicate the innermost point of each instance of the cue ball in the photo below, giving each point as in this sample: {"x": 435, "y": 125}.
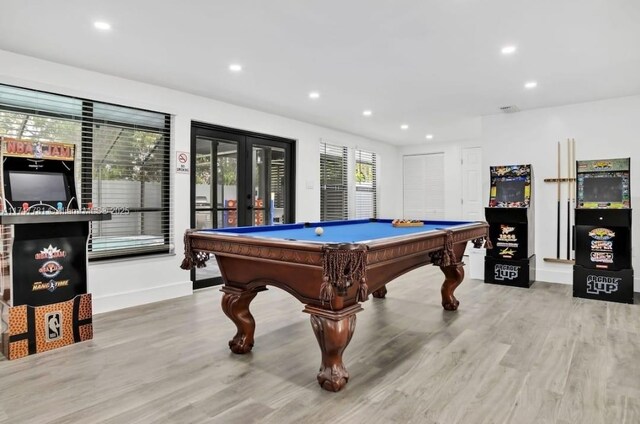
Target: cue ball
{"x": 319, "y": 231}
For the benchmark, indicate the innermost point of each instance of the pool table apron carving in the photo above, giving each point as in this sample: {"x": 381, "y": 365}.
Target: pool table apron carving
{"x": 331, "y": 279}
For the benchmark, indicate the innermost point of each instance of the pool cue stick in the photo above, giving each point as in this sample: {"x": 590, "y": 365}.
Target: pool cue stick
{"x": 569, "y": 199}
{"x": 558, "y": 219}
{"x": 574, "y": 184}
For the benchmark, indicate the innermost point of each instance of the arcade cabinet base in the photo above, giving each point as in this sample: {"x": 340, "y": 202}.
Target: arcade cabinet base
{"x": 612, "y": 286}
{"x": 510, "y": 272}
{"x": 34, "y": 329}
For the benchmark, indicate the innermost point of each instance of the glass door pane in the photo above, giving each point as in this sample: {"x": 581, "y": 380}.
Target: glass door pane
{"x": 204, "y": 183}
{"x": 227, "y": 184}
{"x": 268, "y": 185}
{"x": 216, "y": 202}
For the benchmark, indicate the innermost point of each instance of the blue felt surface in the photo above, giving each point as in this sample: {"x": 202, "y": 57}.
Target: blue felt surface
{"x": 334, "y": 232}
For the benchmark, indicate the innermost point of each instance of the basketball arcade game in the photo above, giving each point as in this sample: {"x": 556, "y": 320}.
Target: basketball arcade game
{"x": 603, "y": 268}
{"x": 510, "y": 217}
{"x": 43, "y": 279}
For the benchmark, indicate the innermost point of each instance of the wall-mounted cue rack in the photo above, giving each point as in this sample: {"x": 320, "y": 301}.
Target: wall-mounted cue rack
{"x": 569, "y": 180}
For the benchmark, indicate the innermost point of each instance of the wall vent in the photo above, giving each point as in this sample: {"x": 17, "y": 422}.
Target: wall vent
{"x": 510, "y": 109}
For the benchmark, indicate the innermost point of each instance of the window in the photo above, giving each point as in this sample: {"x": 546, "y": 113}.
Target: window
{"x": 365, "y": 182}
{"x": 122, "y": 163}
{"x": 333, "y": 183}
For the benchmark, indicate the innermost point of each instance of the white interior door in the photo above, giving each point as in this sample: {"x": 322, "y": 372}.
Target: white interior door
{"x": 423, "y": 186}
{"x": 472, "y": 202}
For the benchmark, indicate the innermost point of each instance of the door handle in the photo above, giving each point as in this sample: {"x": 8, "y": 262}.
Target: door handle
{"x": 249, "y": 207}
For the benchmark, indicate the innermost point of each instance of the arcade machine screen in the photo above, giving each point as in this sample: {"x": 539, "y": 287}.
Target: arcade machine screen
{"x": 510, "y": 191}
{"x": 38, "y": 187}
{"x": 602, "y": 189}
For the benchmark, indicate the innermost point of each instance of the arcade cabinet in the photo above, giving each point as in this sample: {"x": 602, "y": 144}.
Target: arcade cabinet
{"x": 510, "y": 217}
{"x": 44, "y": 302}
{"x": 603, "y": 268}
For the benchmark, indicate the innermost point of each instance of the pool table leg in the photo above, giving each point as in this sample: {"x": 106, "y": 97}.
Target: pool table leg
{"x": 333, "y": 329}
{"x": 235, "y": 304}
{"x": 453, "y": 275}
{"x": 380, "y": 293}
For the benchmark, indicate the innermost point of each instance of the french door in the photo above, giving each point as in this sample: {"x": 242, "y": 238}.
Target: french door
{"x": 238, "y": 179}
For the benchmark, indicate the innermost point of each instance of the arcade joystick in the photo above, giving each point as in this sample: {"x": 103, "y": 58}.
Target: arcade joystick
{"x": 60, "y": 207}
{"x": 25, "y": 207}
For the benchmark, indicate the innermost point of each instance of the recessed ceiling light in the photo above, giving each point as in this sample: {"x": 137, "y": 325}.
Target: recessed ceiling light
{"x": 367, "y": 113}
{"x": 314, "y": 95}
{"x": 102, "y": 25}
{"x": 404, "y": 126}
{"x": 234, "y": 67}
{"x": 508, "y": 49}
{"x": 530, "y": 84}
{"x": 429, "y": 136}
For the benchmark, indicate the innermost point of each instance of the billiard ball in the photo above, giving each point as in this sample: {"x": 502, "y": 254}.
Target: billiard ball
{"x": 319, "y": 231}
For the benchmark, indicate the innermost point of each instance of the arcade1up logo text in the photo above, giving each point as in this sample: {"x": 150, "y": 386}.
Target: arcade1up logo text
{"x": 37, "y": 149}
{"x": 598, "y": 284}
{"x": 601, "y": 247}
{"x": 504, "y": 272}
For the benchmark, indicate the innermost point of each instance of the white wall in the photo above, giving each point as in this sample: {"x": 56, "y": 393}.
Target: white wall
{"x": 119, "y": 284}
{"x": 602, "y": 130}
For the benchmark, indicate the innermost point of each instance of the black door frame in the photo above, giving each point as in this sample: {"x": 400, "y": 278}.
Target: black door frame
{"x": 246, "y": 140}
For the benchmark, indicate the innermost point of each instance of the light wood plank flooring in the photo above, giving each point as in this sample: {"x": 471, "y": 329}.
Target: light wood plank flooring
{"x": 508, "y": 355}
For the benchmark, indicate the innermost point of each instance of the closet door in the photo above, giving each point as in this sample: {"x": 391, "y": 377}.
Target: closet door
{"x": 423, "y": 186}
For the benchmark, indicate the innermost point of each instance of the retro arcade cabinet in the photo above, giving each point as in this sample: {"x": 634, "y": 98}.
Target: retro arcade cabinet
{"x": 510, "y": 217}
{"x": 43, "y": 251}
{"x": 603, "y": 269}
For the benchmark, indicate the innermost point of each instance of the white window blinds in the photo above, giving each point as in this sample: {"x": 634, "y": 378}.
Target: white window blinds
{"x": 333, "y": 183}
{"x": 122, "y": 163}
{"x": 365, "y": 182}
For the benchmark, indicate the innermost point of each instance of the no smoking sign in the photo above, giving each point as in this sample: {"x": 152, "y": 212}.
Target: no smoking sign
{"x": 182, "y": 162}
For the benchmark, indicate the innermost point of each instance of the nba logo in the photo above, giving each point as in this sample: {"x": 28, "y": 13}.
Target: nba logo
{"x": 53, "y": 324}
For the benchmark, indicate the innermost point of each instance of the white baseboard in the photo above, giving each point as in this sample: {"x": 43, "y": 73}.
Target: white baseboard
{"x": 555, "y": 276}
{"x": 128, "y": 299}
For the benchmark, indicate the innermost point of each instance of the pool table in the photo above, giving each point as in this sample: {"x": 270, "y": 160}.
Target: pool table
{"x": 330, "y": 273}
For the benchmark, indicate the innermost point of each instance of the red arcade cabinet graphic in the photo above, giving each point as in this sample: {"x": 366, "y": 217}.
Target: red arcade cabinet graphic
{"x": 510, "y": 217}
{"x": 43, "y": 251}
{"x": 603, "y": 268}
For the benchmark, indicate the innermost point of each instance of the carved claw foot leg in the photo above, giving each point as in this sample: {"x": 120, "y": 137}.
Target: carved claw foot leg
{"x": 453, "y": 275}
{"x": 380, "y": 293}
{"x": 235, "y": 304}
{"x": 333, "y": 330}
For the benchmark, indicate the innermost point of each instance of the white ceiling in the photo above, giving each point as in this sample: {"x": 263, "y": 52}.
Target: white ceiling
{"x": 433, "y": 64}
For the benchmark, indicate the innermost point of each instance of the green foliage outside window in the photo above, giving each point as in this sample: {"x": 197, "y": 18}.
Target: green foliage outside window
{"x": 364, "y": 173}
